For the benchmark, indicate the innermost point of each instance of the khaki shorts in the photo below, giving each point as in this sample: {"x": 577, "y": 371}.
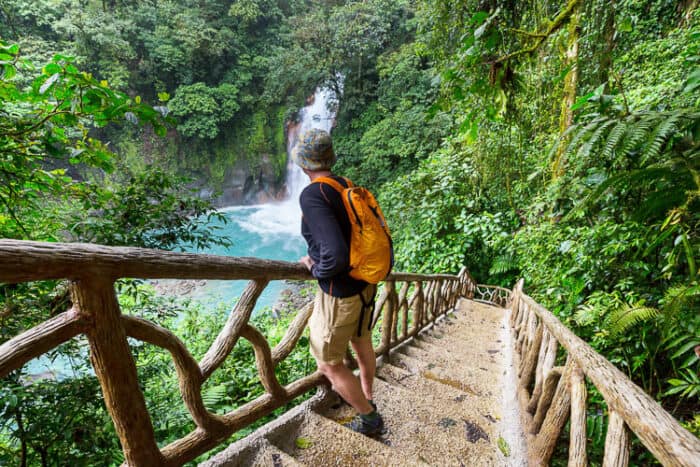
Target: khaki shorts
{"x": 334, "y": 323}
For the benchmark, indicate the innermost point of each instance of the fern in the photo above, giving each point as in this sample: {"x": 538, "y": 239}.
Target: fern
{"x": 214, "y": 395}
{"x": 638, "y": 132}
{"x": 580, "y": 133}
{"x": 647, "y": 132}
{"x": 587, "y": 314}
{"x": 504, "y": 263}
{"x": 589, "y": 144}
{"x": 664, "y": 130}
{"x": 679, "y": 297}
{"x": 614, "y": 138}
{"x": 627, "y": 316}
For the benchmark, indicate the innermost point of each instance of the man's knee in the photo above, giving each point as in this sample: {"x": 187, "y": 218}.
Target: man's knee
{"x": 330, "y": 369}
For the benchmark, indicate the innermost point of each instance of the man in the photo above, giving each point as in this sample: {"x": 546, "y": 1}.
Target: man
{"x": 339, "y": 300}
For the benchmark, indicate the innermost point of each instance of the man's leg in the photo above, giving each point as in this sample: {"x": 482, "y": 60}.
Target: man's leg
{"x": 347, "y": 385}
{"x": 367, "y": 362}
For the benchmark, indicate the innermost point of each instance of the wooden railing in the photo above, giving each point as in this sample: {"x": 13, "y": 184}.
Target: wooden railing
{"x": 551, "y": 394}
{"x": 405, "y": 309}
{"x": 493, "y": 295}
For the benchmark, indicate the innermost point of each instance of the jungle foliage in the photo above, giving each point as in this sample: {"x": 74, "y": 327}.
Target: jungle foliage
{"x": 551, "y": 140}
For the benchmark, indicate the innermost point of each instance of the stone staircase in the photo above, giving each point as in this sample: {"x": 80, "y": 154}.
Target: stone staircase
{"x": 446, "y": 398}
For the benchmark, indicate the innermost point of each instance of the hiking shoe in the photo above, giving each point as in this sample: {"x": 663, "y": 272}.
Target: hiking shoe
{"x": 367, "y": 425}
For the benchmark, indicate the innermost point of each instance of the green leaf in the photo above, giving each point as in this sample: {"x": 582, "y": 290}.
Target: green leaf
{"x": 303, "y": 443}
{"x": 163, "y": 96}
{"x": 625, "y": 25}
{"x": 9, "y": 72}
{"x": 503, "y": 446}
{"x": 51, "y": 69}
{"x": 685, "y": 348}
{"x": 581, "y": 101}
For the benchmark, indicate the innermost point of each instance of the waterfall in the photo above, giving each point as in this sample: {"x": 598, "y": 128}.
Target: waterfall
{"x": 283, "y": 218}
{"x": 320, "y": 113}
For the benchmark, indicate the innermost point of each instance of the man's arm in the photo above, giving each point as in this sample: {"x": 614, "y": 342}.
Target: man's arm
{"x": 325, "y": 230}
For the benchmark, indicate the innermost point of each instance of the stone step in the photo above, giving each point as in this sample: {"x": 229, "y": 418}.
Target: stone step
{"x": 477, "y": 374}
{"x": 485, "y": 399}
{"x": 319, "y": 441}
{"x": 269, "y": 455}
{"x": 472, "y": 321}
{"x": 458, "y": 355}
{"x": 457, "y": 343}
{"x": 424, "y": 427}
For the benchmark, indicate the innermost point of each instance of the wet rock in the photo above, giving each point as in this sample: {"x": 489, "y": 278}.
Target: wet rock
{"x": 446, "y": 423}
{"x": 474, "y": 432}
{"x": 293, "y": 298}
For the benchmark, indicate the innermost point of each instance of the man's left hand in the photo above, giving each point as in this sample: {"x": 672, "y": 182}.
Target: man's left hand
{"x": 307, "y": 261}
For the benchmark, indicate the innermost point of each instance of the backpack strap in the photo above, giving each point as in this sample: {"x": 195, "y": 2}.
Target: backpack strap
{"x": 369, "y": 305}
{"x": 366, "y": 306}
{"x": 334, "y": 183}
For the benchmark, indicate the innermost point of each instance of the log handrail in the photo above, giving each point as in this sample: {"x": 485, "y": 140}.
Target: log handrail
{"x": 493, "y": 295}
{"x": 559, "y": 395}
{"x": 93, "y": 269}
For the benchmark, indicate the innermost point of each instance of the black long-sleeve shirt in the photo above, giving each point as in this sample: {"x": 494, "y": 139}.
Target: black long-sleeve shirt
{"x": 326, "y": 228}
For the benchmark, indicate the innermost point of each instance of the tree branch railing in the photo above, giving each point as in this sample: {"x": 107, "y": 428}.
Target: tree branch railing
{"x": 407, "y": 304}
{"x": 552, "y": 394}
{"x": 493, "y": 295}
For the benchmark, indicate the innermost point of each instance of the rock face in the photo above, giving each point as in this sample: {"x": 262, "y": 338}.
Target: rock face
{"x": 243, "y": 185}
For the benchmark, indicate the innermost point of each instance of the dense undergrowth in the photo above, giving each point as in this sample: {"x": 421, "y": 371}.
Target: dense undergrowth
{"x": 551, "y": 140}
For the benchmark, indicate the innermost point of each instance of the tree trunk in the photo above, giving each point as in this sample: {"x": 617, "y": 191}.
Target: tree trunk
{"x": 570, "y": 89}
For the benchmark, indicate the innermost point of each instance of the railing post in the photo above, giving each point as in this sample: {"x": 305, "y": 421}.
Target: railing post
{"x": 577, "y": 438}
{"x": 115, "y": 369}
{"x": 417, "y": 309}
{"x": 556, "y": 418}
{"x": 515, "y": 301}
{"x": 617, "y": 452}
{"x": 403, "y": 306}
{"x": 387, "y": 324}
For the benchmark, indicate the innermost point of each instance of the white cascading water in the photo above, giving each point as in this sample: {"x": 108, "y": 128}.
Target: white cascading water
{"x": 283, "y": 218}
{"x": 319, "y": 114}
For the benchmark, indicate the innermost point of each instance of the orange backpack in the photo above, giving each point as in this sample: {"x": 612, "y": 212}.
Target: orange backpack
{"x": 371, "y": 248}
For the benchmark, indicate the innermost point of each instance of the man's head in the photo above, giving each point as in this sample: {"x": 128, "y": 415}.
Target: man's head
{"x": 314, "y": 151}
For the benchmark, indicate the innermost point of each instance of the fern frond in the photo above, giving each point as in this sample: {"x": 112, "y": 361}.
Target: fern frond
{"x": 662, "y": 133}
{"x": 585, "y": 150}
{"x": 614, "y": 138}
{"x": 637, "y": 132}
{"x": 214, "y": 395}
{"x": 580, "y": 133}
{"x": 680, "y": 296}
{"x": 587, "y": 314}
{"x": 627, "y": 316}
{"x": 504, "y": 263}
